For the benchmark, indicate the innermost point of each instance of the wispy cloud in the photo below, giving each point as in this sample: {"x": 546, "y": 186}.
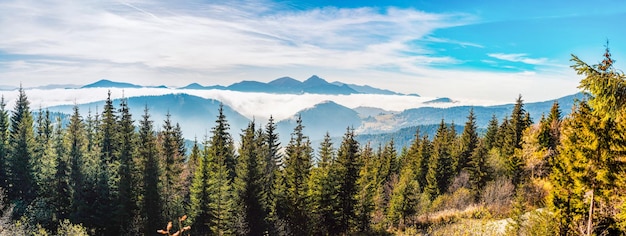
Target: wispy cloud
{"x": 211, "y": 37}
{"x": 518, "y": 57}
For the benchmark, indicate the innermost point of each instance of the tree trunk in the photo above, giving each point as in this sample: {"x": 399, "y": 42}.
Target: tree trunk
{"x": 590, "y": 220}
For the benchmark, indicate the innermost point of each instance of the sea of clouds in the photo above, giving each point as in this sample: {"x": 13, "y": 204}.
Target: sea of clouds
{"x": 249, "y": 104}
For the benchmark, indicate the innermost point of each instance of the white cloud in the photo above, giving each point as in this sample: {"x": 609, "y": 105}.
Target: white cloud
{"x": 154, "y": 43}
{"x": 518, "y": 57}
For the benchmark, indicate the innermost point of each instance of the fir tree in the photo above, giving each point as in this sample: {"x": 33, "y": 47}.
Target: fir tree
{"x": 105, "y": 184}
{"x": 439, "y": 172}
{"x": 151, "y": 206}
{"x": 22, "y": 185}
{"x": 478, "y": 170}
{"x": 248, "y": 186}
{"x": 271, "y": 165}
{"x": 491, "y": 135}
{"x": 173, "y": 162}
{"x": 4, "y": 145}
{"x": 297, "y": 168}
{"x": 76, "y": 140}
{"x": 367, "y": 186}
{"x": 126, "y": 184}
{"x": 62, "y": 192}
{"x": 346, "y": 171}
{"x": 211, "y": 193}
{"x": 469, "y": 141}
{"x": 322, "y": 189}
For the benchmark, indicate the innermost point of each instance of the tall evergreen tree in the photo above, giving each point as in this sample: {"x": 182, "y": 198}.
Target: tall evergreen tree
{"x": 367, "y": 186}
{"x": 439, "y": 173}
{"x": 247, "y": 185}
{"x": 512, "y": 141}
{"x": 4, "y": 145}
{"x": 173, "y": 163}
{"x": 22, "y": 186}
{"x": 469, "y": 141}
{"x": 478, "y": 169}
{"x": 346, "y": 171}
{"x": 272, "y": 164}
{"x": 322, "y": 189}
{"x": 147, "y": 153}
{"x": 491, "y": 135}
{"x": 105, "y": 182}
{"x": 76, "y": 139}
{"x": 298, "y": 165}
{"x": 211, "y": 193}
{"x": 62, "y": 191}
{"x": 125, "y": 206}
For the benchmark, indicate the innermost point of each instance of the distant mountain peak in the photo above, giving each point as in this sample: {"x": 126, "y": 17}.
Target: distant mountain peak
{"x": 316, "y": 81}
{"x": 285, "y": 82}
{"x": 105, "y": 83}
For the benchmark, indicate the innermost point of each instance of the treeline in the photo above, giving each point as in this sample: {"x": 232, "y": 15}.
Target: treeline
{"x": 109, "y": 174}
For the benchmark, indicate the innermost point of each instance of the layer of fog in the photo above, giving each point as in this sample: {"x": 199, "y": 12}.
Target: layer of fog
{"x": 252, "y": 105}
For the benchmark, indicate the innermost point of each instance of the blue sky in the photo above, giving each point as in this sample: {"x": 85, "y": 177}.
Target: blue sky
{"x": 490, "y": 50}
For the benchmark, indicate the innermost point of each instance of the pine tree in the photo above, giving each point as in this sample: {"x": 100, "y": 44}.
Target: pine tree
{"x": 105, "y": 183}
{"x": 404, "y": 198}
{"x": 147, "y": 153}
{"x": 22, "y": 185}
{"x": 76, "y": 140}
{"x": 271, "y": 167}
{"x": 478, "y": 170}
{"x": 513, "y": 140}
{"x": 346, "y": 171}
{"x": 44, "y": 155}
{"x": 491, "y": 135}
{"x": 248, "y": 186}
{"x": 322, "y": 189}
{"x": 211, "y": 193}
{"x": 367, "y": 185}
{"x": 200, "y": 191}
{"x": 593, "y": 145}
{"x": 62, "y": 192}
{"x": 439, "y": 173}
{"x": 125, "y": 205}
{"x": 297, "y": 168}
{"x": 469, "y": 141}
{"x": 4, "y": 146}
{"x": 173, "y": 162}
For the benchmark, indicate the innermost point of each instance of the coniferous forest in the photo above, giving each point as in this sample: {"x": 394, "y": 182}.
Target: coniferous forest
{"x": 110, "y": 173}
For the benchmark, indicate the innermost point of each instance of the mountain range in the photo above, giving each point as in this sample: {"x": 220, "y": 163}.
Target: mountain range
{"x": 284, "y": 85}
{"x": 197, "y": 115}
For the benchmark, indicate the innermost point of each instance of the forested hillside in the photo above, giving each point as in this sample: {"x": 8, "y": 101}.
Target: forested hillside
{"x": 111, "y": 173}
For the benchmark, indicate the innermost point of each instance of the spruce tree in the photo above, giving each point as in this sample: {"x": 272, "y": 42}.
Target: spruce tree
{"x": 22, "y": 185}
{"x": 469, "y": 141}
{"x": 247, "y": 185}
{"x": 271, "y": 168}
{"x": 4, "y": 146}
{"x": 105, "y": 183}
{"x": 147, "y": 154}
{"x": 366, "y": 185}
{"x": 404, "y": 198}
{"x": 211, "y": 193}
{"x": 173, "y": 163}
{"x": 322, "y": 189}
{"x": 62, "y": 191}
{"x": 439, "y": 173}
{"x": 125, "y": 202}
{"x": 491, "y": 135}
{"x": 478, "y": 170}
{"x": 346, "y": 171}
{"x": 76, "y": 140}
{"x": 297, "y": 168}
